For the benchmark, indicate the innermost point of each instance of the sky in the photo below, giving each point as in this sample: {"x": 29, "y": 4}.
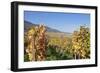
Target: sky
{"x": 65, "y": 22}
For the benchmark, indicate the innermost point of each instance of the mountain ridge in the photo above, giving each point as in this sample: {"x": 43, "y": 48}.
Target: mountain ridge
{"x": 28, "y": 24}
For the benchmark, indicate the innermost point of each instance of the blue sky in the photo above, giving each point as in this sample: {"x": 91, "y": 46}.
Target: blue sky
{"x": 66, "y": 22}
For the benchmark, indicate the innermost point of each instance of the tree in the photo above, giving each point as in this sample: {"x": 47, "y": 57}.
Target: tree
{"x": 81, "y": 43}
{"x": 35, "y": 48}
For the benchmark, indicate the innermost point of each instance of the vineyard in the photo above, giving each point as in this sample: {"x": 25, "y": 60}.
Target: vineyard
{"x": 39, "y": 45}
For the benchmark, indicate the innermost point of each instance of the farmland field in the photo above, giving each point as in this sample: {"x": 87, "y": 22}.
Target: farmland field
{"x": 41, "y": 45}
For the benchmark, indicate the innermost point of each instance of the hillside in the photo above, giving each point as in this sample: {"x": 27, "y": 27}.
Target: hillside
{"x": 29, "y": 24}
{"x": 50, "y": 31}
